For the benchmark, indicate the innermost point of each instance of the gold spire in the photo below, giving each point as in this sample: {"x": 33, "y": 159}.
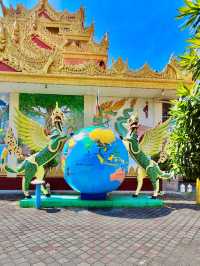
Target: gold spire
{"x": 2, "y": 37}
{"x": 3, "y": 7}
{"x": 105, "y": 41}
{"x": 43, "y": 3}
{"x": 16, "y": 32}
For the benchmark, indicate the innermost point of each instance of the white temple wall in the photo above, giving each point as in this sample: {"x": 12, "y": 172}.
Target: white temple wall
{"x": 142, "y": 97}
{"x": 89, "y": 109}
{"x": 90, "y": 94}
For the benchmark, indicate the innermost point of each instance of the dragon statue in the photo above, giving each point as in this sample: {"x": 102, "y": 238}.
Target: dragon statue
{"x": 47, "y": 148}
{"x": 142, "y": 152}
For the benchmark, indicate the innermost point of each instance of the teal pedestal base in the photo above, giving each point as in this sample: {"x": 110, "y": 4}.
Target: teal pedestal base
{"x": 112, "y": 201}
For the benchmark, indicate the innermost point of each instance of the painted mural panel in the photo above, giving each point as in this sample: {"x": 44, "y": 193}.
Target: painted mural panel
{"x": 40, "y": 106}
{"x": 112, "y": 108}
{"x": 4, "y": 115}
{"x": 4, "y": 120}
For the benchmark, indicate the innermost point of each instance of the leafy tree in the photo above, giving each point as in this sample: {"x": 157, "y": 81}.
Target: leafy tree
{"x": 42, "y": 105}
{"x": 184, "y": 144}
{"x": 190, "y": 60}
{"x": 184, "y": 147}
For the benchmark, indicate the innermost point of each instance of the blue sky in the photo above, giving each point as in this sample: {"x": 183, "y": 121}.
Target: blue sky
{"x": 144, "y": 31}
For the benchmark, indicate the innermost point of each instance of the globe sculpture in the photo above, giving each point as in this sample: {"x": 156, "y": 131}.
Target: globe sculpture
{"x": 95, "y": 162}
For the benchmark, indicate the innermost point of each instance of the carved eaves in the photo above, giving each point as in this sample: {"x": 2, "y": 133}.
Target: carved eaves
{"x": 19, "y": 26}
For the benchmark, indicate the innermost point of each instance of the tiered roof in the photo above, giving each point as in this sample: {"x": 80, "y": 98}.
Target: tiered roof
{"x": 43, "y": 41}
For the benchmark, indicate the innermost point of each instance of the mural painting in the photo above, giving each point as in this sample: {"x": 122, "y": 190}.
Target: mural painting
{"x": 110, "y": 109}
{"x": 39, "y": 107}
{"x": 4, "y": 115}
{"x": 4, "y": 120}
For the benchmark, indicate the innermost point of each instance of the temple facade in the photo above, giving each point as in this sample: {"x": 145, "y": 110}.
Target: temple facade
{"x": 44, "y": 52}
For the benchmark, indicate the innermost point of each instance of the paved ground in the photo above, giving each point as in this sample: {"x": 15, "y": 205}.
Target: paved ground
{"x": 166, "y": 236}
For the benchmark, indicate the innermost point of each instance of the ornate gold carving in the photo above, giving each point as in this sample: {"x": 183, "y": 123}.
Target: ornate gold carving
{"x": 90, "y": 30}
{"x": 84, "y": 69}
{"x": 78, "y": 79}
{"x": 105, "y": 42}
{"x": 3, "y": 7}
{"x": 20, "y": 26}
{"x": 2, "y": 37}
{"x": 119, "y": 67}
{"x": 43, "y": 4}
{"x": 13, "y": 147}
{"x": 34, "y": 22}
{"x": 145, "y": 72}
{"x": 16, "y": 32}
{"x": 170, "y": 72}
{"x": 52, "y": 57}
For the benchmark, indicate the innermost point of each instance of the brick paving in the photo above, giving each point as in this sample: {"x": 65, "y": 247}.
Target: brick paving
{"x": 164, "y": 236}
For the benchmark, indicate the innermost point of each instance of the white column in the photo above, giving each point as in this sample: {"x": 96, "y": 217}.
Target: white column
{"x": 89, "y": 109}
{"x": 157, "y": 112}
{"x": 13, "y": 105}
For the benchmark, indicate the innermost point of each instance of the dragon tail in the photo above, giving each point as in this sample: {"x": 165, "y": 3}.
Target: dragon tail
{"x": 20, "y": 169}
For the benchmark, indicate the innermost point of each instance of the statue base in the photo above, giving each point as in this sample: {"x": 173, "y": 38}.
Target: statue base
{"x": 112, "y": 201}
{"x": 100, "y": 196}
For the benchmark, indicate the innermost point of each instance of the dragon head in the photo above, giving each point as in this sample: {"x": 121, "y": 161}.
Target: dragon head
{"x": 133, "y": 122}
{"x": 127, "y": 123}
{"x": 57, "y": 118}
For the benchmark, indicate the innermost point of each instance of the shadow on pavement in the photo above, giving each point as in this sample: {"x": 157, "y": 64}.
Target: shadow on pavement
{"x": 134, "y": 213}
{"x": 146, "y": 213}
{"x": 130, "y": 213}
{"x": 11, "y": 197}
{"x": 51, "y": 210}
{"x": 183, "y": 205}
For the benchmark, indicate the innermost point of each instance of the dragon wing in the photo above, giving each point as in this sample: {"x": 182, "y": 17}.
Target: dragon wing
{"x": 31, "y": 132}
{"x": 153, "y": 139}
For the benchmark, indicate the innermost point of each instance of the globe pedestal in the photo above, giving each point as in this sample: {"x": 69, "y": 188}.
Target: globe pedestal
{"x": 112, "y": 201}
{"x": 98, "y": 196}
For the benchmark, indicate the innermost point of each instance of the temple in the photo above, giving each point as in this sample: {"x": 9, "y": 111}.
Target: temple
{"x": 46, "y": 52}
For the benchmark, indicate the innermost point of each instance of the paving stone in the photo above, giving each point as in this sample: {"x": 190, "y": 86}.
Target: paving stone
{"x": 153, "y": 237}
{"x": 9, "y": 264}
{"x": 98, "y": 264}
{"x": 39, "y": 264}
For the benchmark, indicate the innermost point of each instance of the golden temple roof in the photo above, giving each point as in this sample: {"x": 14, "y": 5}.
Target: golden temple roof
{"x": 43, "y": 41}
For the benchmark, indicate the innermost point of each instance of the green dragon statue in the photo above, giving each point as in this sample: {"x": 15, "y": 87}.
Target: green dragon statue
{"x": 141, "y": 152}
{"x": 47, "y": 148}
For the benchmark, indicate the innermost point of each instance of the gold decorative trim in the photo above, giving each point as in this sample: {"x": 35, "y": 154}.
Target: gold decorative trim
{"x": 104, "y": 81}
{"x": 41, "y": 41}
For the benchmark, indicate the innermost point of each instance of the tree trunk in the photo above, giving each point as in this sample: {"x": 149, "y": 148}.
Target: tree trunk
{"x": 198, "y": 191}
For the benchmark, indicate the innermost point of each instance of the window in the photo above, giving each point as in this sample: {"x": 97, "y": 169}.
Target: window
{"x": 54, "y": 30}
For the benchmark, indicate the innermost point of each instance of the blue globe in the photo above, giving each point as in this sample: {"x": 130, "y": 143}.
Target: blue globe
{"x": 95, "y": 162}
